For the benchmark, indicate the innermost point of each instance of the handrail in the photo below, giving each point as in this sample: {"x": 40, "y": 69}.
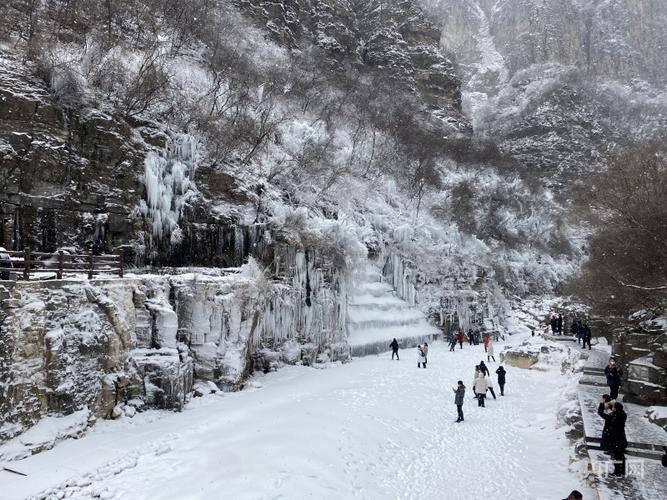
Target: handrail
{"x": 30, "y": 262}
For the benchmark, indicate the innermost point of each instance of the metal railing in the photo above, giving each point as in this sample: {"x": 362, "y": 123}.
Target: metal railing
{"x": 26, "y": 263}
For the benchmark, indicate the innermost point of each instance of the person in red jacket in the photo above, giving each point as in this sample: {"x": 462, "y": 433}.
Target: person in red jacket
{"x": 459, "y": 338}
{"x": 485, "y": 342}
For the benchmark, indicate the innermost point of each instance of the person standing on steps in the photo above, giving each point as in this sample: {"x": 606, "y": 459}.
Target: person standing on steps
{"x": 394, "y": 349}
{"x": 559, "y": 324}
{"x": 501, "y": 379}
{"x": 606, "y": 406}
{"x": 460, "y": 393}
{"x": 613, "y": 374}
{"x": 586, "y": 336}
{"x": 483, "y": 369}
{"x": 480, "y": 389}
{"x": 420, "y": 357}
{"x": 618, "y": 442}
{"x": 489, "y": 352}
{"x": 425, "y": 351}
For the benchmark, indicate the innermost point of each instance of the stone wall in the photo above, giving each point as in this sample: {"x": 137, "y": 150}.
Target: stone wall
{"x": 121, "y": 345}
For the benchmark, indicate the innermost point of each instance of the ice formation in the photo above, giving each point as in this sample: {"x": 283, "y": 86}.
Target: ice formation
{"x": 170, "y": 185}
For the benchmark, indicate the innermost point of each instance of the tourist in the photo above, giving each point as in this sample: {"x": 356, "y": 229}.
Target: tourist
{"x": 483, "y": 369}
{"x": 470, "y": 336}
{"x": 586, "y": 336}
{"x": 606, "y": 406}
{"x": 501, "y": 379}
{"x": 559, "y": 324}
{"x": 425, "y": 351}
{"x": 459, "y": 339}
{"x": 489, "y": 385}
{"x": 460, "y": 392}
{"x": 613, "y": 374}
{"x": 452, "y": 343}
{"x": 480, "y": 386}
{"x": 486, "y": 341}
{"x": 420, "y": 357}
{"x": 575, "y": 495}
{"x": 489, "y": 352}
{"x": 554, "y": 324}
{"x": 617, "y": 440}
{"x": 394, "y": 349}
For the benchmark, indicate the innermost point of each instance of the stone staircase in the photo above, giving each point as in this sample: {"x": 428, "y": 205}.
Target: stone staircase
{"x": 376, "y": 315}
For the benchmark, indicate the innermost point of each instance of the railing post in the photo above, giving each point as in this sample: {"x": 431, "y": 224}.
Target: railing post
{"x": 61, "y": 259}
{"x": 90, "y": 265}
{"x": 26, "y": 263}
{"x": 120, "y": 263}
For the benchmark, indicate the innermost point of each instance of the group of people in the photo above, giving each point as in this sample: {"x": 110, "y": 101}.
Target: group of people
{"x": 582, "y": 332}
{"x": 481, "y": 384}
{"x": 459, "y": 338}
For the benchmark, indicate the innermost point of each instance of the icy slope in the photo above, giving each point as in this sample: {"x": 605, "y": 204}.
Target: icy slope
{"x": 376, "y": 315}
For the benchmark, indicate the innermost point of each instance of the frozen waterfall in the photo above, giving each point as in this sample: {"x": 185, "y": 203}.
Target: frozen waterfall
{"x": 376, "y": 315}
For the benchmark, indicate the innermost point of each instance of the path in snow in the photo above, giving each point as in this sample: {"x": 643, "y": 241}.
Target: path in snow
{"x": 372, "y": 429}
{"x": 376, "y": 315}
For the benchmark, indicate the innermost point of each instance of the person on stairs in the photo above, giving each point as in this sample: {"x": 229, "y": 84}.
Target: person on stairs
{"x": 480, "y": 389}
{"x": 425, "y": 351}
{"x": 613, "y": 374}
{"x": 420, "y": 357}
{"x": 394, "y": 349}
{"x": 501, "y": 379}
{"x": 606, "y": 406}
{"x": 489, "y": 352}
{"x": 618, "y": 442}
{"x": 460, "y": 393}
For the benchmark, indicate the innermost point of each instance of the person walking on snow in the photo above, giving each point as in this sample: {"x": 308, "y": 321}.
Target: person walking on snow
{"x": 470, "y": 336}
{"x": 486, "y": 341}
{"x": 394, "y": 349}
{"x": 613, "y": 374}
{"x": 420, "y": 357}
{"x": 460, "y": 393}
{"x": 480, "y": 389}
{"x": 425, "y": 351}
{"x": 459, "y": 338}
{"x": 483, "y": 369}
{"x": 501, "y": 379}
{"x": 477, "y": 374}
{"x": 489, "y": 384}
{"x": 452, "y": 344}
{"x": 489, "y": 352}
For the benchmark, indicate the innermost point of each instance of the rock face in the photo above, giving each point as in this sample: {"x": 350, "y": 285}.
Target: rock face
{"x": 115, "y": 346}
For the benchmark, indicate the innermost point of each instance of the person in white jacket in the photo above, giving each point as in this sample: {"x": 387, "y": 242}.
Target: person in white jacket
{"x": 489, "y": 352}
{"x": 480, "y": 386}
{"x": 489, "y": 383}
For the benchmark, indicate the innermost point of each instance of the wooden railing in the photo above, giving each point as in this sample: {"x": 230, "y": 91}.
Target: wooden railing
{"x": 27, "y": 262}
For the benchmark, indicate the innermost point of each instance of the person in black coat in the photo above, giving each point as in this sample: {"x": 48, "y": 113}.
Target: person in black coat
{"x": 460, "y": 393}
{"x": 613, "y": 374}
{"x": 501, "y": 379}
{"x": 394, "y": 349}
{"x": 554, "y": 325}
{"x": 586, "y": 336}
{"x": 484, "y": 369}
{"x": 618, "y": 442}
{"x": 605, "y": 441}
{"x": 559, "y": 324}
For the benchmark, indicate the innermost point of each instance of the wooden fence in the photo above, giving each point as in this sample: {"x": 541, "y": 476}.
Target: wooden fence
{"x": 27, "y": 262}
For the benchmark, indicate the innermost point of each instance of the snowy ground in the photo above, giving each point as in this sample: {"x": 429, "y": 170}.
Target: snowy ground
{"x": 369, "y": 429}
